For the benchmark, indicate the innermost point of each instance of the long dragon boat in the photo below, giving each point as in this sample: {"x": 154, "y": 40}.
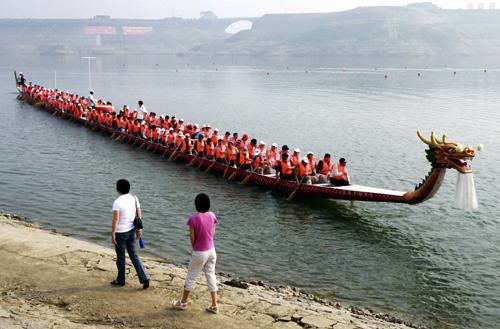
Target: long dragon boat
{"x": 441, "y": 153}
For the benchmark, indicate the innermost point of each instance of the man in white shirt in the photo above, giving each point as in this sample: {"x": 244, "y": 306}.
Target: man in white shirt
{"x": 123, "y": 233}
{"x": 91, "y": 98}
{"x": 141, "y": 111}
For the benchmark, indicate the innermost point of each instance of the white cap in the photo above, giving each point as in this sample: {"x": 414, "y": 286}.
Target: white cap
{"x": 310, "y": 152}
{"x": 297, "y": 150}
{"x": 180, "y": 133}
{"x": 256, "y": 152}
{"x": 171, "y": 129}
{"x": 216, "y": 129}
{"x": 274, "y": 144}
{"x": 181, "y": 119}
{"x": 91, "y": 91}
{"x": 208, "y": 125}
{"x": 262, "y": 143}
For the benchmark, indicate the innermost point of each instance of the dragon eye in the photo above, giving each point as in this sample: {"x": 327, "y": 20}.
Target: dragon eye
{"x": 451, "y": 150}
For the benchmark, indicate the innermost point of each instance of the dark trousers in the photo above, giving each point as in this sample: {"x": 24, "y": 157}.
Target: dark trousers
{"x": 338, "y": 182}
{"x": 127, "y": 241}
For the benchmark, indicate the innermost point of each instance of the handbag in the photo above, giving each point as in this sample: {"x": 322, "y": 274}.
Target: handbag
{"x": 137, "y": 220}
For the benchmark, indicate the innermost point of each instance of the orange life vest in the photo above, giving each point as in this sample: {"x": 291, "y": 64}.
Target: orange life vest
{"x": 304, "y": 169}
{"x": 231, "y": 153}
{"x": 342, "y": 172}
{"x": 327, "y": 168}
{"x": 286, "y": 168}
{"x": 200, "y": 146}
{"x": 219, "y": 152}
{"x": 210, "y": 149}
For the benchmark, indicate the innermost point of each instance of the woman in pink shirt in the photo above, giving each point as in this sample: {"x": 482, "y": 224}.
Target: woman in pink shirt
{"x": 201, "y": 232}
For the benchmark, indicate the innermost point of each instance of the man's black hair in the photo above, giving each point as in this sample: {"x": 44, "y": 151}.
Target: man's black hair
{"x": 327, "y": 155}
{"x": 123, "y": 186}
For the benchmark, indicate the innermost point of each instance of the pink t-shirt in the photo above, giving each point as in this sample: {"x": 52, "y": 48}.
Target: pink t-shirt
{"x": 203, "y": 224}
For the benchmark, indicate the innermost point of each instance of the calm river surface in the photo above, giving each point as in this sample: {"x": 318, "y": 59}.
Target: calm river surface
{"x": 430, "y": 263}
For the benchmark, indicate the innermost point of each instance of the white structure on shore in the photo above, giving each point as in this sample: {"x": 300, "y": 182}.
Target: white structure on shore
{"x": 481, "y": 5}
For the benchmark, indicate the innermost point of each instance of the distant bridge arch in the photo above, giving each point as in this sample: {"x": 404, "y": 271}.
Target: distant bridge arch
{"x": 238, "y": 26}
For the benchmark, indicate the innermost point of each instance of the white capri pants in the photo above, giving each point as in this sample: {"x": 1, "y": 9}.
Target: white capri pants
{"x": 202, "y": 261}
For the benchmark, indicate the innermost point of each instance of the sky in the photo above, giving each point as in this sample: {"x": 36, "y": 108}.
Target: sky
{"x": 192, "y": 8}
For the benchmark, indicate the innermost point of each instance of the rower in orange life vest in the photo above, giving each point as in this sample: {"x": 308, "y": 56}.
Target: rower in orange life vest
{"x": 339, "y": 175}
{"x": 231, "y": 154}
{"x": 312, "y": 167}
{"x": 220, "y": 152}
{"x": 324, "y": 168}
{"x": 284, "y": 168}
{"x": 199, "y": 146}
{"x": 209, "y": 149}
{"x": 170, "y": 138}
{"x": 258, "y": 161}
{"x": 271, "y": 157}
{"x": 303, "y": 171}
{"x": 225, "y": 139}
{"x": 243, "y": 159}
{"x": 296, "y": 157}
{"x": 215, "y": 136}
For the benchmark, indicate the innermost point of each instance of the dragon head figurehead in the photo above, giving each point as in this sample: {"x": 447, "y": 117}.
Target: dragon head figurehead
{"x": 445, "y": 154}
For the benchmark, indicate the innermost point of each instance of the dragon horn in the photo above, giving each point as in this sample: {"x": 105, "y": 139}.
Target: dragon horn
{"x": 434, "y": 139}
{"x": 422, "y": 138}
{"x": 444, "y": 139}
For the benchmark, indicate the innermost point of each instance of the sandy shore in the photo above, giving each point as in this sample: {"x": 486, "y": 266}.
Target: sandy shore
{"x": 48, "y": 280}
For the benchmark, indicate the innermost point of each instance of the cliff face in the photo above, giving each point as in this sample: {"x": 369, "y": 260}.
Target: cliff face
{"x": 415, "y": 30}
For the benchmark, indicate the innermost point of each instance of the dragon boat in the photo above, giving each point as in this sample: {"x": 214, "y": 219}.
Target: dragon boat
{"x": 441, "y": 153}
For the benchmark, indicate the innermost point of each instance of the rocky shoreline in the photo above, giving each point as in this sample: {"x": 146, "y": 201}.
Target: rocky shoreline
{"x": 54, "y": 281}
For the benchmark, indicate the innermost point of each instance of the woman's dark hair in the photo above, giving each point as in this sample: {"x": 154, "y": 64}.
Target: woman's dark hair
{"x": 123, "y": 186}
{"x": 202, "y": 202}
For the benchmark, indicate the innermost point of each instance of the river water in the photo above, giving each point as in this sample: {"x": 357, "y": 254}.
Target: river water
{"x": 430, "y": 263}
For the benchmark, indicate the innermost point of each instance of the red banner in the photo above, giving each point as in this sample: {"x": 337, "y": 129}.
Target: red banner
{"x": 100, "y": 30}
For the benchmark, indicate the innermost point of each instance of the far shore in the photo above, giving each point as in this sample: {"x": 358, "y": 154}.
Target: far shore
{"x": 49, "y": 280}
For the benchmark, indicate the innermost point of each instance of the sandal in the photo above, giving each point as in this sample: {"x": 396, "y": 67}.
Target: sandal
{"x": 179, "y": 305}
{"x": 116, "y": 283}
{"x": 212, "y": 309}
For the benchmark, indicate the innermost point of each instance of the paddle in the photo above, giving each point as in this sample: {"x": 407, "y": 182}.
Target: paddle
{"x": 293, "y": 194}
{"x": 245, "y": 181}
{"x": 174, "y": 153}
{"x": 194, "y": 159}
{"x": 233, "y": 175}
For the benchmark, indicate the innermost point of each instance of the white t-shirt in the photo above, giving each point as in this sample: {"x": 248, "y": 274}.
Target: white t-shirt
{"x": 125, "y": 204}
{"x": 141, "y": 111}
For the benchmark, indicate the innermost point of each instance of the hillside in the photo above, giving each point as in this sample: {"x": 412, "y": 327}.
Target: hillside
{"x": 415, "y": 30}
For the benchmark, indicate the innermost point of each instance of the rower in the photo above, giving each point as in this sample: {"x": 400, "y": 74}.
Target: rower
{"x": 258, "y": 161}
{"x": 284, "y": 168}
{"x": 271, "y": 155}
{"x": 199, "y": 146}
{"x": 225, "y": 140}
{"x": 251, "y": 147}
{"x": 171, "y": 137}
{"x": 220, "y": 152}
{"x": 209, "y": 149}
{"x": 339, "y": 175}
{"x": 303, "y": 171}
{"x": 324, "y": 168}
{"x": 243, "y": 159}
{"x": 296, "y": 157}
{"x": 231, "y": 154}
{"x": 312, "y": 167}
{"x": 215, "y": 136}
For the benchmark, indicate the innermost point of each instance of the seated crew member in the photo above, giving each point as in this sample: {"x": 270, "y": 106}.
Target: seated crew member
{"x": 284, "y": 149}
{"x": 258, "y": 161}
{"x": 225, "y": 139}
{"x": 284, "y": 168}
{"x": 171, "y": 137}
{"x": 209, "y": 149}
{"x": 252, "y": 146}
{"x": 220, "y": 152}
{"x": 324, "y": 168}
{"x": 243, "y": 159}
{"x": 231, "y": 153}
{"x": 296, "y": 157}
{"x": 312, "y": 167}
{"x": 303, "y": 170}
{"x": 339, "y": 175}
{"x": 199, "y": 146}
